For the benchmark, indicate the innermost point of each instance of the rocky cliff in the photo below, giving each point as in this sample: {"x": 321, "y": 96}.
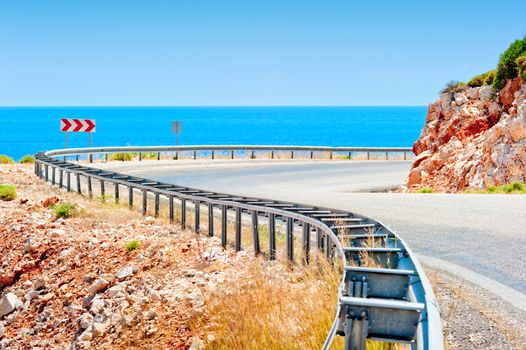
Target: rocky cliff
{"x": 472, "y": 140}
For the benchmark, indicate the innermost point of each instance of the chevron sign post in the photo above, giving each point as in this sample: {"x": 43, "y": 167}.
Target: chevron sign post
{"x": 77, "y": 125}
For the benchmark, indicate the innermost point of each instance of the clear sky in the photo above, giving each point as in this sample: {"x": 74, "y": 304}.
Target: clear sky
{"x": 246, "y": 52}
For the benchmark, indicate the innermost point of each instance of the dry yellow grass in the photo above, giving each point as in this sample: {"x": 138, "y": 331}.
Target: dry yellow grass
{"x": 268, "y": 310}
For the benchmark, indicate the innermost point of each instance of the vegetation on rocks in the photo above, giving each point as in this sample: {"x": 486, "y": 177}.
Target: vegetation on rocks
{"x": 452, "y": 86}
{"x": 7, "y": 192}
{"x": 64, "y": 210}
{"x": 27, "y": 159}
{"x": 508, "y": 67}
{"x": 119, "y": 156}
{"x": 482, "y": 79}
{"x": 425, "y": 190}
{"x": 515, "y": 187}
{"x": 6, "y": 159}
{"x": 132, "y": 245}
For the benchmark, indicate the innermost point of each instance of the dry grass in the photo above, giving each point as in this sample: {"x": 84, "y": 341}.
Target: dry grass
{"x": 264, "y": 309}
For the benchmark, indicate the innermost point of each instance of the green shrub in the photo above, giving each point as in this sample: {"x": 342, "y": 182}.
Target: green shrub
{"x": 27, "y": 159}
{"x": 507, "y": 67}
{"x": 64, "y": 210}
{"x": 425, "y": 190}
{"x": 482, "y": 79}
{"x": 6, "y": 159}
{"x": 118, "y": 156}
{"x": 452, "y": 86}
{"x": 7, "y": 192}
{"x": 149, "y": 155}
{"x": 514, "y": 187}
{"x": 132, "y": 245}
{"x": 521, "y": 64}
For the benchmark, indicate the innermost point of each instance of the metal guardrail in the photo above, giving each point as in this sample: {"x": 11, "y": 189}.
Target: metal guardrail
{"x": 384, "y": 293}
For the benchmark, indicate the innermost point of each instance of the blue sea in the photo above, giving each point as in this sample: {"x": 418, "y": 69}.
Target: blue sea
{"x": 32, "y": 129}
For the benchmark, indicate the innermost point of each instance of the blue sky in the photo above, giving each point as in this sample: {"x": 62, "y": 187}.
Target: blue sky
{"x": 245, "y": 52}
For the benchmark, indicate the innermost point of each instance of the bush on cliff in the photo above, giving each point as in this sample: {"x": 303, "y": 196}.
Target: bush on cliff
{"x": 118, "y": 156}
{"x": 6, "y": 159}
{"x": 7, "y": 192}
{"x": 508, "y": 67}
{"x": 28, "y": 159}
{"x": 482, "y": 79}
{"x": 521, "y": 63}
{"x": 452, "y": 86}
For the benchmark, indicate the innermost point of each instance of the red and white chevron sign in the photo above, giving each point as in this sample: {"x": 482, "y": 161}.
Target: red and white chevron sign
{"x": 77, "y": 125}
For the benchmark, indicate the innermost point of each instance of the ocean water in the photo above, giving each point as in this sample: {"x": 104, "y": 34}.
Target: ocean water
{"x": 32, "y": 129}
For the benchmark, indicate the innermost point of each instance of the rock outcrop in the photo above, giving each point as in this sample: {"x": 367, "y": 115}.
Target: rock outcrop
{"x": 472, "y": 141}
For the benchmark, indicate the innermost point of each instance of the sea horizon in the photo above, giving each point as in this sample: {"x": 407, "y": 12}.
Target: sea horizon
{"x": 360, "y": 126}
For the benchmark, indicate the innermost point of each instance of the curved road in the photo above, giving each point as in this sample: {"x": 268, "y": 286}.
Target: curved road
{"x": 480, "y": 238}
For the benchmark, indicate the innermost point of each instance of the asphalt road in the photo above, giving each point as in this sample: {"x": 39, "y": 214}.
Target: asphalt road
{"x": 480, "y": 238}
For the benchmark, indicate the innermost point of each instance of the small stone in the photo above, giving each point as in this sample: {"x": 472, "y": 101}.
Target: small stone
{"x": 98, "y": 286}
{"x": 8, "y": 304}
{"x": 2, "y": 330}
{"x": 119, "y": 288}
{"x": 149, "y": 220}
{"x": 98, "y": 329}
{"x": 97, "y": 305}
{"x": 86, "y": 335}
{"x": 85, "y": 320}
{"x": 108, "y": 277}
{"x": 47, "y": 298}
{"x": 126, "y": 272}
{"x": 39, "y": 284}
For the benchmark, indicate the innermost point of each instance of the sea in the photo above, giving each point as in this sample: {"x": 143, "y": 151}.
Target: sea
{"x": 27, "y": 130}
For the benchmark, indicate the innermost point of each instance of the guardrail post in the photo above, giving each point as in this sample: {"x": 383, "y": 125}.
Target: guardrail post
{"x": 238, "y": 230}
{"x": 78, "y": 182}
{"x": 224, "y": 225}
{"x": 330, "y": 155}
{"x": 68, "y": 177}
{"x": 368, "y": 155}
{"x": 144, "y": 201}
{"x": 116, "y": 187}
{"x": 195, "y": 155}
{"x": 157, "y": 205}
{"x": 210, "y": 219}
{"x": 253, "y": 155}
{"x": 291, "y": 154}
{"x": 53, "y": 171}
{"x": 47, "y": 173}
{"x": 183, "y": 213}
{"x": 91, "y": 158}
{"x": 350, "y": 155}
{"x": 290, "y": 240}
{"x": 272, "y": 236}
{"x": 386, "y": 155}
{"x": 311, "y": 155}
{"x": 60, "y": 178}
{"x": 102, "y": 191}
{"x": 130, "y": 197}
{"x": 197, "y": 208}
{"x": 176, "y": 155}
{"x": 319, "y": 238}
{"x": 213, "y": 155}
{"x": 327, "y": 247}
{"x": 77, "y": 158}
{"x": 306, "y": 242}
{"x": 232, "y": 157}
{"x": 106, "y": 156}
{"x": 405, "y": 155}
{"x": 158, "y": 155}
{"x": 140, "y": 156}
{"x": 90, "y": 190}
{"x": 255, "y": 232}
{"x": 171, "y": 208}
{"x": 271, "y": 154}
